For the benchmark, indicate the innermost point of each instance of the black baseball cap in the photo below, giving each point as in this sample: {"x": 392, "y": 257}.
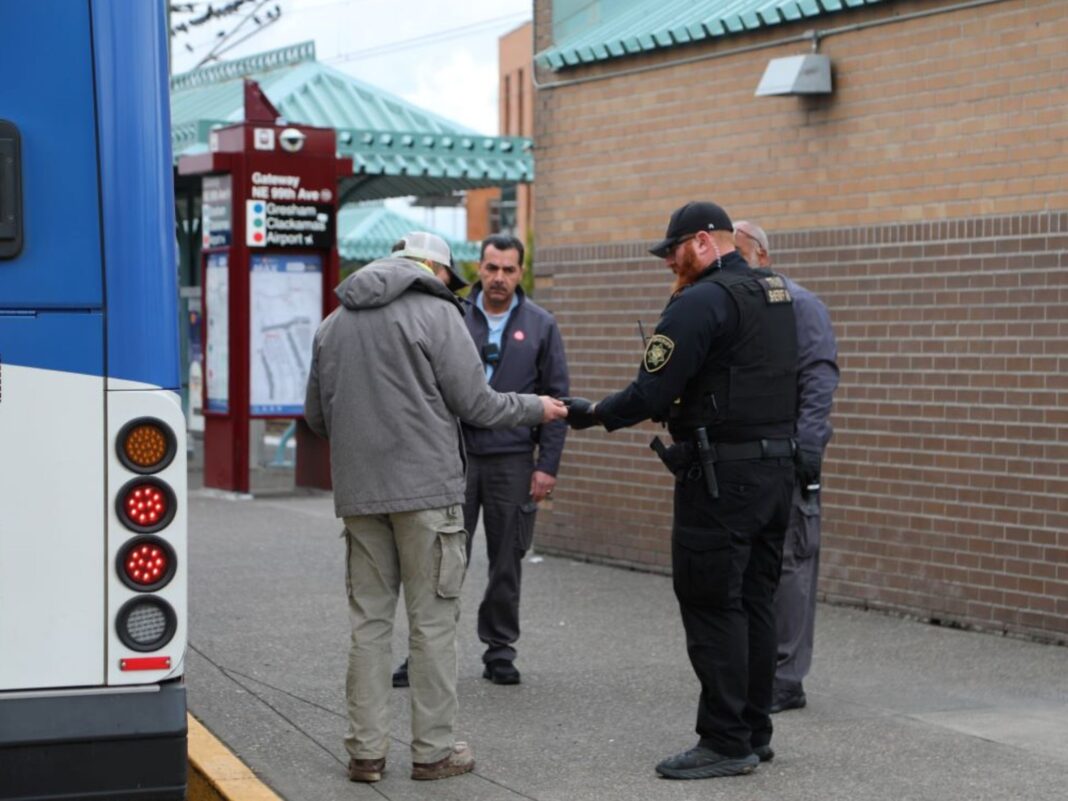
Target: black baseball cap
{"x": 692, "y": 218}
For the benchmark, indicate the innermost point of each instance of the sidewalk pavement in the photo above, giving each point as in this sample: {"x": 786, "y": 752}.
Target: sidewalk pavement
{"x": 897, "y": 710}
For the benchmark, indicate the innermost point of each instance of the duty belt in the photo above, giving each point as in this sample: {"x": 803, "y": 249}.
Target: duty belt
{"x": 681, "y": 455}
{"x": 757, "y": 449}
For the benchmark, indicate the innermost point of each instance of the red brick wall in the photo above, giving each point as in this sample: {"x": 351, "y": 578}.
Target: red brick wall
{"x": 926, "y": 201}
{"x": 949, "y": 116}
{"x": 947, "y": 479}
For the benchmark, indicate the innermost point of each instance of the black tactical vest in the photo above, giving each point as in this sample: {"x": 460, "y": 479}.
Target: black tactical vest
{"x": 748, "y": 389}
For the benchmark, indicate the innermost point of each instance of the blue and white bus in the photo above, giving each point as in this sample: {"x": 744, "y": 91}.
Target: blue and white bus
{"x": 93, "y": 607}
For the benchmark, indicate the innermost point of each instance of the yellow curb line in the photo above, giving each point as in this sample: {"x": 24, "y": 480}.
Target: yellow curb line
{"x": 215, "y": 774}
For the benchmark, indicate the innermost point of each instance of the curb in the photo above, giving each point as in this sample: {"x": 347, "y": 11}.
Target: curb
{"x": 215, "y": 774}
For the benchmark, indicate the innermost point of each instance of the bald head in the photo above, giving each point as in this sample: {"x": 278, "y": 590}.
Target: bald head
{"x": 752, "y": 243}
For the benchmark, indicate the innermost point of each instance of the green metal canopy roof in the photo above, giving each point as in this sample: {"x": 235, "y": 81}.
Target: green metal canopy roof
{"x": 366, "y": 233}
{"x": 397, "y": 148}
{"x": 616, "y": 28}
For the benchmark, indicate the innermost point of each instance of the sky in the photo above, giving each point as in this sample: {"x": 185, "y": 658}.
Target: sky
{"x": 438, "y": 54}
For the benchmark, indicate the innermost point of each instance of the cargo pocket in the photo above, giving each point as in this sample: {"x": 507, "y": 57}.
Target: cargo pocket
{"x": 450, "y": 560}
{"x": 524, "y": 526}
{"x": 701, "y": 566}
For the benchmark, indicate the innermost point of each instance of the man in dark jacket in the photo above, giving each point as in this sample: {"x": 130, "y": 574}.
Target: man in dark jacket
{"x": 522, "y": 351}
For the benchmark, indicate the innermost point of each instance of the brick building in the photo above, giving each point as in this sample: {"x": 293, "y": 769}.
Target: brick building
{"x": 508, "y": 208}
{"x": 925, "y": 200}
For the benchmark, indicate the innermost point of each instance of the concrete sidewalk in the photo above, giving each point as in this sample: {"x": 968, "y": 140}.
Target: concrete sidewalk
{"x": 898, "y": 710}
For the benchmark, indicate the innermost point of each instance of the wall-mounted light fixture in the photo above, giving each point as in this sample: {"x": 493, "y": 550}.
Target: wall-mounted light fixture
{"x": 797, "y": 75}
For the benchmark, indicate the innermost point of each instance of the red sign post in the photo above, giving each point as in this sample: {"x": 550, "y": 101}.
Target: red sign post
{"x": 269, "y": 264}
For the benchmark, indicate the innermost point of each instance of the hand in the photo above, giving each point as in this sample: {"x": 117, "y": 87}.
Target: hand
{"x": 541, "y": 486}
{"x": 808, "y": 462}
{"x": 581, "y": 413}
{"x": 552, "y": 409}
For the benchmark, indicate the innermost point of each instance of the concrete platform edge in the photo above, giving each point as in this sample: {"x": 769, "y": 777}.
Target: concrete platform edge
{"x": 215, "y": 774}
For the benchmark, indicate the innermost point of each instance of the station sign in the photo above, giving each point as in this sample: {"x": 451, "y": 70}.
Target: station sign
{"x": 287, "y": 211}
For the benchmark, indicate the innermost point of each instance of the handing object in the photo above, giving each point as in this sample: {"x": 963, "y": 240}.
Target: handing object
{"x": 581, "y": 413}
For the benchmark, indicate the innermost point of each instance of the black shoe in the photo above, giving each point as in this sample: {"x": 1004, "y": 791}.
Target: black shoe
{"x": 501, "y": 671}
{"x": 791, "y": 697}
{"x": 764, "y": 753}
{"x": 704, "y": 763}
{"x": 400, "y": 675}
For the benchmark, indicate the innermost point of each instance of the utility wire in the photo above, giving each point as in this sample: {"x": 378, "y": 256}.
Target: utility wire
{"x": 430, "y": 38}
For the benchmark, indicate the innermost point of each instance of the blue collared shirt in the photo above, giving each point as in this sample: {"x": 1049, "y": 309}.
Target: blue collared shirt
{"x": 497, "y": 324}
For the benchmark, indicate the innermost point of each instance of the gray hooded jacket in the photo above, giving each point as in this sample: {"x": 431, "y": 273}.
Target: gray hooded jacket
{"x": 392, "y": 371}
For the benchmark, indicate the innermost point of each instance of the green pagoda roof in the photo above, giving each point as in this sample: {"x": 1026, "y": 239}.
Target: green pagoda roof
{"x": 366, "y": 233}
{"x": 397, "y": 148}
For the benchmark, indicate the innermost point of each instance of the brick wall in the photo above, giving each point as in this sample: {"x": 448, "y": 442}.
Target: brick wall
{"x": 947, "y": 479}
{"x": 927, "y": 203}
{"x": 945, "y": 117}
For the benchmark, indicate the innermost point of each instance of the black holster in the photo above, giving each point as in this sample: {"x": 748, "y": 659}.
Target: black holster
{"x": 677, "y": 458}
{"x": 682, "y": 459}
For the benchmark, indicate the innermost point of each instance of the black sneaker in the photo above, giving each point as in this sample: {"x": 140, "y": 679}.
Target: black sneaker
{"x": 764, "y": 753}
{"x": 788, "y": 697}
{"x": 501, "y": 671}
{"x": 400, "y": 675}
{"x": 704, "y": 763}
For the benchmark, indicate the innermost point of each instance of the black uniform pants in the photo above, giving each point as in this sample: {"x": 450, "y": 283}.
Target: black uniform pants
{"x": 726, "y": 558}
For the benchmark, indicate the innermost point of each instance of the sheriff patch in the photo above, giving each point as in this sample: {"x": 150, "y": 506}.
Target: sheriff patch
{"x": 775, "y": 290}
{"x": 657, "y": 352}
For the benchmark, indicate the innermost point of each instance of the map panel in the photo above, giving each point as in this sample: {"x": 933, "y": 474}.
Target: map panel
{"x": 286, "y": 309}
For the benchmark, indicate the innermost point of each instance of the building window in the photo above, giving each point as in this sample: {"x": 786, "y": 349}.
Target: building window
{"x": 504, "y": 212}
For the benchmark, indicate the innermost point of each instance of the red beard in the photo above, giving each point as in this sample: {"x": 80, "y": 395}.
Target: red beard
{"x": 686, "y": 269}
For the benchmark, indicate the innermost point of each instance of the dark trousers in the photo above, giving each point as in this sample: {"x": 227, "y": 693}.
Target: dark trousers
{"x": 726, "y": 557}
{"x": 795, "y": 600}
{"x": 500, "y": 486}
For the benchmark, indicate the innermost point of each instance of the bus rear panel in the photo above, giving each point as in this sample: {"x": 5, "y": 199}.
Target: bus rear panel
{"x": 93, "y": 608}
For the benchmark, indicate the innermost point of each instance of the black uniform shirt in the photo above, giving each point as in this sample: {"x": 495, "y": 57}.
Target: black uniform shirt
{"x": 701, "y": 318}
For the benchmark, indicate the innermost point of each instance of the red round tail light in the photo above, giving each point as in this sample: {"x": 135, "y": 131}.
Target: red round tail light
{"x": 146, "y": 563}
{"x": 146, "y": 505}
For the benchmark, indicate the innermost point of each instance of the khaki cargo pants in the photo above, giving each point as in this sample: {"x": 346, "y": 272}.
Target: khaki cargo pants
{"x": 424, "y": 552}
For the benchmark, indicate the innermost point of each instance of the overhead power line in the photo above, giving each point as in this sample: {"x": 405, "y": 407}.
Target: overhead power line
{"x": 430, "y": 38}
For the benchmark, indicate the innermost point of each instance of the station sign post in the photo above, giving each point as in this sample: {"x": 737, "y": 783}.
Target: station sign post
{"x": 269, "y": 264}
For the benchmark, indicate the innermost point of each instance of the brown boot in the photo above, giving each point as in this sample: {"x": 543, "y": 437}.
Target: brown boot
{"x": 461, "y": 760}
{"x": 366, "y": 770}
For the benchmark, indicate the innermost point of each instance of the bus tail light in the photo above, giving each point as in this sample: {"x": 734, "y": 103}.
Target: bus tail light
{"x": 146, "y": 505}
{"x": 145, "y": 623}
{"x": 146, "y": 564}
{"x": 146, "y": 445}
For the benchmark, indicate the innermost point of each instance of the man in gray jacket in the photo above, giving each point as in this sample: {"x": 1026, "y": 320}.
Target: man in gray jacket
{"x": 393, "y": 372}
{"x": 817, "y": 379}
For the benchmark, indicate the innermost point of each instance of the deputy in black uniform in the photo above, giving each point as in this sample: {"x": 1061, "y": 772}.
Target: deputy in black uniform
{"x": 721, "y": 372}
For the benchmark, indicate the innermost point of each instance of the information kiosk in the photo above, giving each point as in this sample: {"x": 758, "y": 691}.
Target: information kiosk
{"x": 269, "y": 264}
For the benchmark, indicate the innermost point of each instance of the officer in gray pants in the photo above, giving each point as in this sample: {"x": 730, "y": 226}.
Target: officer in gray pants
{"x": 795, "y": 600}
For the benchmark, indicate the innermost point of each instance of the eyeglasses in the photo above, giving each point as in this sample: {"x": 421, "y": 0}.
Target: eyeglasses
{"x": 674, "y": 248}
